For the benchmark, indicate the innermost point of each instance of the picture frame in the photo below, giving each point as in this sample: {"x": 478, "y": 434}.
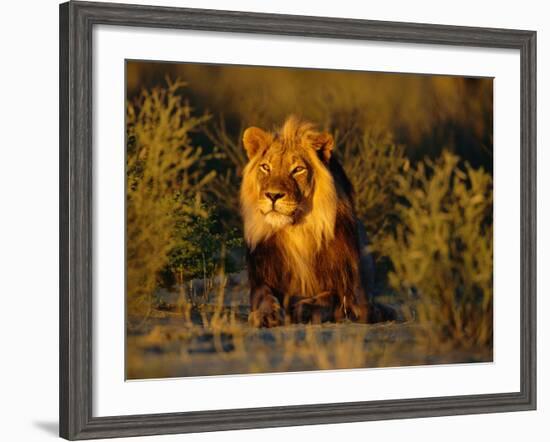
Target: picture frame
{"x": 77, "y": 20}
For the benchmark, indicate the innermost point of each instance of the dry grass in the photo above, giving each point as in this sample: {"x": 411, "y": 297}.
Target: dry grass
{"x": 199, "y": 339}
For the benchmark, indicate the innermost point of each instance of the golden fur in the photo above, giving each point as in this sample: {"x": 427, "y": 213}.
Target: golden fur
{"x": 300, "y": 241}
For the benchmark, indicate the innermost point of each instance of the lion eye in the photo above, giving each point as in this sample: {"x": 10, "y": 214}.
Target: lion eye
{"x": 297, "y": 170}
{"x": 265, "y": 168}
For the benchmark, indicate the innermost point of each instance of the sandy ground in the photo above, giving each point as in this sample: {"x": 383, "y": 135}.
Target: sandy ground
{"x": 213, "y": 338}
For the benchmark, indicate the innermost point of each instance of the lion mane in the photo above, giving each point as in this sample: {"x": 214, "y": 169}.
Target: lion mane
{"x": 300, "y": 229}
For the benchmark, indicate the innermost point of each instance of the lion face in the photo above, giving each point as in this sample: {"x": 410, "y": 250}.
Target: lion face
{"x": 284, "y": 166}
{"x": 285, "y": 182}
{"x": 287, "y": 186}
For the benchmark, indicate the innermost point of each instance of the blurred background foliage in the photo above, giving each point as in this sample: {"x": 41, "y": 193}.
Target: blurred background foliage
{"x": 418, "y": 149}
{"x": 426, "y": 113}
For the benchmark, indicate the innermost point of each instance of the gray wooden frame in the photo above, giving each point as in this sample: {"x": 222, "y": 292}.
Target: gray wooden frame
{"x": 76, "y": 243}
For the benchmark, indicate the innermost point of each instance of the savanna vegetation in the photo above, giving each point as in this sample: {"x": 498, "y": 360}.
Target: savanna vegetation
{"x": 419, "y": 152}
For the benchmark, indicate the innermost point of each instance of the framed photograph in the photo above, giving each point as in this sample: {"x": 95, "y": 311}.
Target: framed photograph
{"x": 272, "y": 220}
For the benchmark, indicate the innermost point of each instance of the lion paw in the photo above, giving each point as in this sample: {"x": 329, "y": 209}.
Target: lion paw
{"x": 268, "y": 314}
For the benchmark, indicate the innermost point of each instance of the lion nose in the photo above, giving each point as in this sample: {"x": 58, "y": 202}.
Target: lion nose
{"x": 273, "y": 196}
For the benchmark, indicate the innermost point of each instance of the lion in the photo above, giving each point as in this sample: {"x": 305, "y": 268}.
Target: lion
{"x": 302, "y": 236}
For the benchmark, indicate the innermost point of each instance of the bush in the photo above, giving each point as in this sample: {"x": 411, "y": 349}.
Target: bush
{"x": 230, "y": 162}
{"x": 164, "y": 172}
{"x": 201, "y": 245}
{"x": 372, "y": 160}
{"x": 441, "y": 250}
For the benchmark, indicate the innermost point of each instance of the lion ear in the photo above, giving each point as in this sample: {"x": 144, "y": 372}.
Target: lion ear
{"x": 254, "y": 139}
{"x": 323, "y": 143}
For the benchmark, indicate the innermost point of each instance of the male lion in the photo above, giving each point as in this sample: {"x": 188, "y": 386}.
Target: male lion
{"x": 301, "y": 232}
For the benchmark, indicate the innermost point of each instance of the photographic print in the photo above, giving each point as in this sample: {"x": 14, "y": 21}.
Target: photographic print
{"x": 286, "y": 219}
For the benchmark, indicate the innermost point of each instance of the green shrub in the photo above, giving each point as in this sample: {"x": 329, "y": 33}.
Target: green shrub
{"x": 201, "y": 245}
